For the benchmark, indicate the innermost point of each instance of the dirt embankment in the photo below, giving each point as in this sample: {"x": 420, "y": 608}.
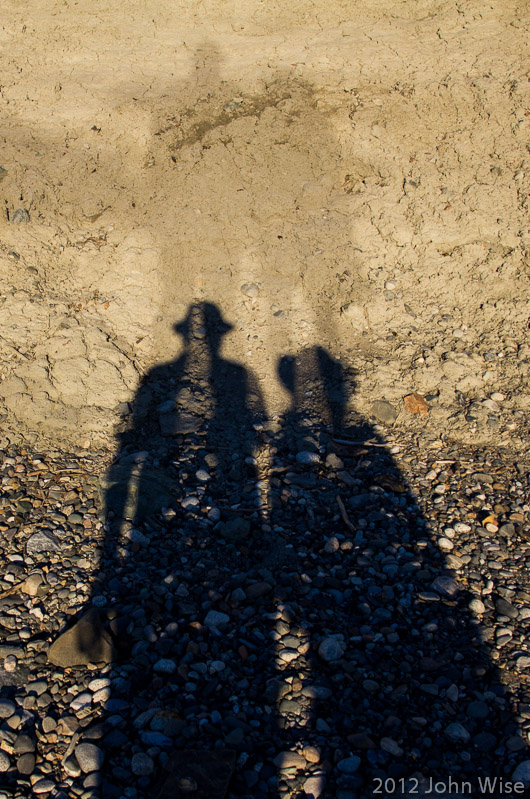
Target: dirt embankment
{"x": 349, "y": 177}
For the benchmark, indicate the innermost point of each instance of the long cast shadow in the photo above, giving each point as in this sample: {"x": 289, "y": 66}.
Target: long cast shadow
{"x": 277, "y": 604}
{"x": 396, "y": 694}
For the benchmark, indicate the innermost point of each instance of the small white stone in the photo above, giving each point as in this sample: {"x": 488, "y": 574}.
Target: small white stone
{"x": 288, "y": 655}
{"x": 98, "y": 683}
{"x": 80, "y": 702}
{"x": 477, "y": 606}
{"x": 190, "y": 503}
{"x": 10, "y": 663}
{"x": 492, "y": 528}
{"x": 461, "y": 527}
{"x": 103, "y": 695}
{"x": 445, "y": 544}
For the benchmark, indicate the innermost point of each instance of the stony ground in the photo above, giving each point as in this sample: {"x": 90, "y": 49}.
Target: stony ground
{"x": 323, "y": 615}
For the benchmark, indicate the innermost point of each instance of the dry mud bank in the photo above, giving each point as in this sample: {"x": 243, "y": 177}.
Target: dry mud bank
{"x": 350, "y": 176}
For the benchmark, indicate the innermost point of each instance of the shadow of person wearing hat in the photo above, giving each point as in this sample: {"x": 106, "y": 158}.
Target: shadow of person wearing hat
{"x": 181, "y": 497}
{"x": 200, "y": 393}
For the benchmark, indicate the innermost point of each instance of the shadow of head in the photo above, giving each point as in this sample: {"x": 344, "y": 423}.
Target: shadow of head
{"x": 318, "y": 384}
{"x": 203, "y": 322}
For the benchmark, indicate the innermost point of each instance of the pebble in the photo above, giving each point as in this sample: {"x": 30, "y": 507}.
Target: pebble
{"x": 311, "y": 754}
{"x": 452, "y": 693}
{"x": 314, "y": 786}
{"x": 215, "y": 618}
{"x": 20, "y": 216}
{"x": 522, "y": 773}
{"x": 23, "y": 744}
{"x": 81, "y": 701}
{"x": 142, "y": 765}
{"x": 349, "y": 765}
{"x": 10, "y": 663}
{"x": 331, "y": 649}
{"x": 505, "y": 608}
{"x": 26, "y": 763}
{"x": 7, "y": 708}
{"x": 71, "y": 766}
{"x": 307, "y": 458}
{"x": 384, "y": 411}
{"x": 32, "y": 584}
{"x": 5, "y": 762}
{"x": 457, "y": 733}
{"x": 461, "y": 528}
{"x": 445, "y": 586}
{"x": 287, "y": 760}
{"x": 165, "y": 666}
{"x": 391, "y": 746}
{"x": 89, "y": 756}
{"x": 477, "y": 606}
{"x": 250, "y": 289}
{"x": 43, "y": 786}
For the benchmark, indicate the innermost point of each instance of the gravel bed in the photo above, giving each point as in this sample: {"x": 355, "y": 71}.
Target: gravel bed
{"x": 287, "y": 615}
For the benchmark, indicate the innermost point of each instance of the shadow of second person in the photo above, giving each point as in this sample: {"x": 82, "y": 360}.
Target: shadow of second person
{"x": 384, "y": 686}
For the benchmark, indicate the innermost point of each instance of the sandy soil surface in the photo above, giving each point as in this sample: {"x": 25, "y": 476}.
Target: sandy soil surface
{"x": 348, "y": 175}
